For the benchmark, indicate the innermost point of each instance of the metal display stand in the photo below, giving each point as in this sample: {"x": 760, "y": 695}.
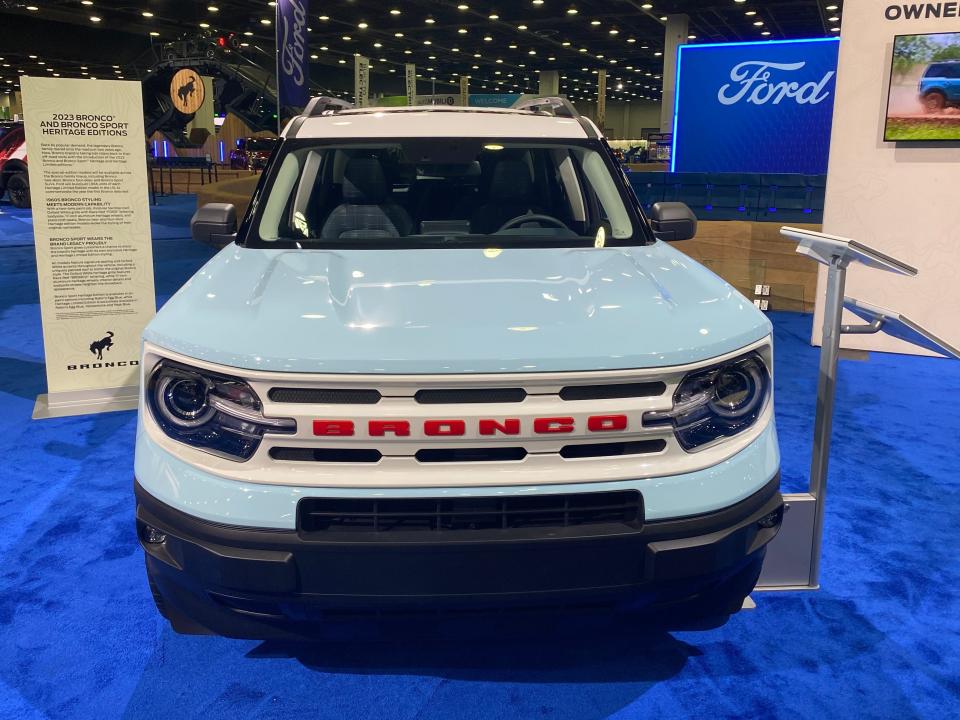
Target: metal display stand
{"x": 793, "y": 558}
{"x": 83, "y": 402}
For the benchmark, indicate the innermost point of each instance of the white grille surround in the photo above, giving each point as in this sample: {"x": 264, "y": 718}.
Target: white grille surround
{"x": 398, "y": 466}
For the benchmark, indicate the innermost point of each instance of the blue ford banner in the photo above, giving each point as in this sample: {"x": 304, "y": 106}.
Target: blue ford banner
{"x": 293, "y": 73}
{"x": 755, "y": 107}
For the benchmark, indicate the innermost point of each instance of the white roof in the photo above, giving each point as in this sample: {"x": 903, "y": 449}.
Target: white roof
{"x": 429, "y": 121}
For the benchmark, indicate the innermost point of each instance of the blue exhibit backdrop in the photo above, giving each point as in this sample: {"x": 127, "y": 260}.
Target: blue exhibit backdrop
{"x": 760, "y": 107}
{"x": 293, "y": 70}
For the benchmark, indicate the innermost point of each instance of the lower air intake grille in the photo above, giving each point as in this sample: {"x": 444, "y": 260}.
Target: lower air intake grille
{"x": 330, "y": 455}
{"x": 317, "y": 516}
{"x": 590, "y": 450}
{"x": 440, "y": 455}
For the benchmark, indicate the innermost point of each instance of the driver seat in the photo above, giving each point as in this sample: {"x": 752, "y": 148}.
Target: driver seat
{"x": 510, "y": 195}
{"x": 366, "y": 211}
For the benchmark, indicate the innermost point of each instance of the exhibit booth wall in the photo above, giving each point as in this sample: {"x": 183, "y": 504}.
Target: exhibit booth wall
{"x": 898, "y": 197}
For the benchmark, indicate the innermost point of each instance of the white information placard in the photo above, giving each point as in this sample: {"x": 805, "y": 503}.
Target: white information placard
{"x": 91, "y": 219}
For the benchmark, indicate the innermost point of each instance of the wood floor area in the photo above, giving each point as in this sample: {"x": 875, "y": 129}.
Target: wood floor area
{"x": 747, "y": 254}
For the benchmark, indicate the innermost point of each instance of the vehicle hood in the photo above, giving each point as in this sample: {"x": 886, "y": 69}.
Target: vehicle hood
{"x": 455, "y": 310}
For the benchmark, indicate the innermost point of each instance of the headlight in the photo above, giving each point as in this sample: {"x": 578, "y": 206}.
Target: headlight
{"x": 716, "y": 402}
{"x": 213, "y": 412}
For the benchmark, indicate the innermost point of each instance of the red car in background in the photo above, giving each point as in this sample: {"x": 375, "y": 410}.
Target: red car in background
{"x": 252, "y": 153}
{"x": 13, "y": 164}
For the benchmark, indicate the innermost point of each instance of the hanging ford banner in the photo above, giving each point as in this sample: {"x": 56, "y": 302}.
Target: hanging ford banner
{"x": 757, "y": 107}
{"x": 293, "y": 71}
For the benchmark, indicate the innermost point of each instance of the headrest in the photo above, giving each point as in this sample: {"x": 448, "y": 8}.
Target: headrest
{"x": 364, "y": 182}
{"x": 510, "y": 181}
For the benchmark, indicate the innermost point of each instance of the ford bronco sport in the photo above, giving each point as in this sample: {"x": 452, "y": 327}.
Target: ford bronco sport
{"x": 940, "y": 86}
{"x": 446, "y": 361}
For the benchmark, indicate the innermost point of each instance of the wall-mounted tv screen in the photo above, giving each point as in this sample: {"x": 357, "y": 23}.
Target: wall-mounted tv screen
{"x": 924, "y": 100}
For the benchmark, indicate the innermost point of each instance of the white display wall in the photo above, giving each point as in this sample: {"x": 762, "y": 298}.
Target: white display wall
{"x": 902, "y": 198}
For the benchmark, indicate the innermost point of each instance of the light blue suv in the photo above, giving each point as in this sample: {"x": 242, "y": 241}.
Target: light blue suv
{"x": 446, "y": 361}
{"x": 940, "y": 85}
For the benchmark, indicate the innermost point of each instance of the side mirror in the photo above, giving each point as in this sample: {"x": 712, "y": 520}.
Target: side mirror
{"x": 673, "y": 221}
{"x": 215, "y": 224}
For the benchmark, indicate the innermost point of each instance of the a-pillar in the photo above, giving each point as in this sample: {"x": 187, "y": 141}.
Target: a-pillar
{"x": 549, "y": 83}
{"x": 678, "y": 27}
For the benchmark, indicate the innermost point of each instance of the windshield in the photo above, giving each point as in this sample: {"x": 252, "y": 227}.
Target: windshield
{"x": 450, "y": 191}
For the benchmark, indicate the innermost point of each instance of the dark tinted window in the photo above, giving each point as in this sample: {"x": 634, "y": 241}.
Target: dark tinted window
{"x": 402, "y": 192}
{"x": 943, "y": 70}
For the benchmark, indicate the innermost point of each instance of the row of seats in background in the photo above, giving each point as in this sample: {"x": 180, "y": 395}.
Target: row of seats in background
{"x": 736, "y": 196}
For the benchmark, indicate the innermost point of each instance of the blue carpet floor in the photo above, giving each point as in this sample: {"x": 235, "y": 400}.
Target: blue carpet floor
{"x": 79, "y": 637}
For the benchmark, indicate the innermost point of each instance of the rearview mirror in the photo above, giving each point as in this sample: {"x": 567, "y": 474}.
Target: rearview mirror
{"x": 214, "y": 224}
{"x": 673, "y": 221}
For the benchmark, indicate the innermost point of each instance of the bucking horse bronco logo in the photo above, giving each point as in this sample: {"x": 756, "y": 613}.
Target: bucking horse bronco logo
{"x": 187, "y": 89}
{"x": 98, "y": 346}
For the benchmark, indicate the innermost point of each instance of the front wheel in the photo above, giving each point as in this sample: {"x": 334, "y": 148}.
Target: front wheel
{"x": 934, "y": 102}
{"x": 18, "y": 187}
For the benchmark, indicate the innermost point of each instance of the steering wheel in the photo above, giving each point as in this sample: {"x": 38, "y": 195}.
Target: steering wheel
{"x": 532, "y": 217}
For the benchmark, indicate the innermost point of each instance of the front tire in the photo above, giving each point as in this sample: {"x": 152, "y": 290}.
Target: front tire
{"x": 934, "y": 102}
{"x": 18, "y": 188}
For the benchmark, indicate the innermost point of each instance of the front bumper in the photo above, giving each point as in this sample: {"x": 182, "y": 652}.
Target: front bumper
{"x": 245, "y": 582}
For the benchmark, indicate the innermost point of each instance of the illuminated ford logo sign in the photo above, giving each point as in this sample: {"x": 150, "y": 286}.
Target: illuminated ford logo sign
{"x": 760, "y": 82}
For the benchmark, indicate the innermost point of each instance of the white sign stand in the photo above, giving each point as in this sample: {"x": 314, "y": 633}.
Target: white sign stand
{"x": 793, "y": 558}
{"x": 91, "y": 219}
